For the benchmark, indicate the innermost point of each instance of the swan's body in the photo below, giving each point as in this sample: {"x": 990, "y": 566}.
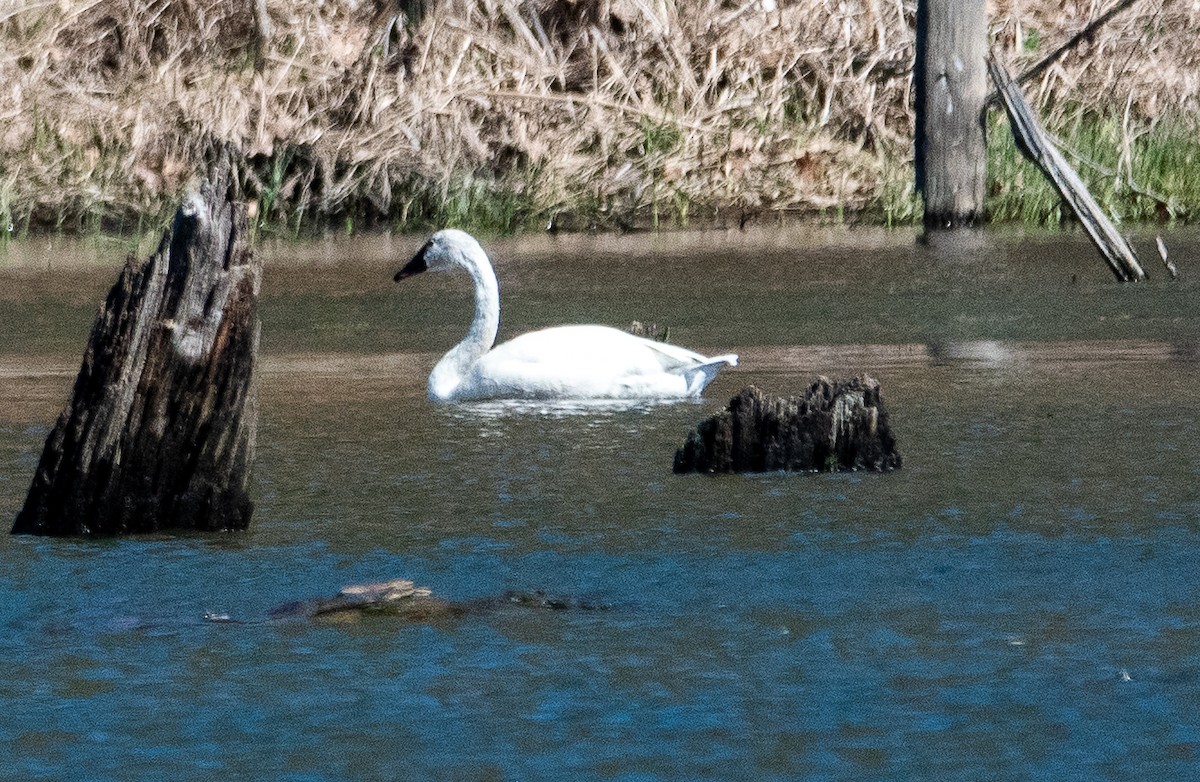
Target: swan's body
{"x": 567, "y": 362}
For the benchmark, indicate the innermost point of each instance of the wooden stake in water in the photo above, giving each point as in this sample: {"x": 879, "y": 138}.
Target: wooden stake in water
{"x": 951, "y": 87}
{"x": 1167, "y": 262}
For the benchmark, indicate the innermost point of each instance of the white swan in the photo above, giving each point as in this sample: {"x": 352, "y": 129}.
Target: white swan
{"x": 567, "y": 362}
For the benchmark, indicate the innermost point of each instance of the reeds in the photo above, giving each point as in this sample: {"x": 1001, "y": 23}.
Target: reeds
{"x": 507, "y": 114}
{"x": 1149, "y": 175}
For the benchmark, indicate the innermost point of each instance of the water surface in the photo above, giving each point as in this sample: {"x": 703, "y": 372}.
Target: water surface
{"x": 1019, "y": 602}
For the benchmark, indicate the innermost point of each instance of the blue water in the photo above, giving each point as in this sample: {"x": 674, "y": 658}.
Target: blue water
{"x": 1021, "y": 601}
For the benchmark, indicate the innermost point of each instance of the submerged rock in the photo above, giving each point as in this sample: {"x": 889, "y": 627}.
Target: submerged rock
{"x": 539, "y": 599}
{"x": 400, "y": 597}
{"x": 836, "y": 425}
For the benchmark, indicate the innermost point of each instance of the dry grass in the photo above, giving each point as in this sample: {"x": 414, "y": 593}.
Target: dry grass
{"x": 510, "y": 113}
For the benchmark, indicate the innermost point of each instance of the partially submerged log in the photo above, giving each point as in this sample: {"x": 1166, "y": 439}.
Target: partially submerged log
{"x": 159, "y": 430}
{"x": 840, "y": 425}
{"x": 402, "y": 598}
{"x": 399, "y": 597}
{"x": 1036, "y": 145}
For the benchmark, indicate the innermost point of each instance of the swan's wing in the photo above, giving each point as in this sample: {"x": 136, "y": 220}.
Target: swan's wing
{"x": 676, "y": 358}
{"x": 592, "y": 350}
{"x": 696, "y": 370}
{"x": 591, "y": 361}
{"x": 603, "y": 346}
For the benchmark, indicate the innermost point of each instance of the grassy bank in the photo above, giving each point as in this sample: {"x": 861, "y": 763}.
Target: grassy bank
{"x": 511, "y": 114}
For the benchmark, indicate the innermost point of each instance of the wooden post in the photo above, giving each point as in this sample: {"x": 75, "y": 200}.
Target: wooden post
{"x": 263, "y": 32}
{"x": 951, "y": 89}
{"x": 159, "y": 429}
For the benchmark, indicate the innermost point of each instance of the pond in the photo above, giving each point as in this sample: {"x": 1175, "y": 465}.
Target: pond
{"x": 1020, "y": 601}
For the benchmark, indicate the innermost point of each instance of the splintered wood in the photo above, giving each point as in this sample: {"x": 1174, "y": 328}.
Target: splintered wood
{"x": 159, "y": 431}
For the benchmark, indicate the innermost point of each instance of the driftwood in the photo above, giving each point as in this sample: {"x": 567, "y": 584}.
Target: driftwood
{"x": 835, "y": 426}
{"x": 1035, "y": 145}
{"x": 650, "y": 331}
{"x": 159, "y": 430}
{"x": 1167, "y": 262}
{"x": 950, "y": 87}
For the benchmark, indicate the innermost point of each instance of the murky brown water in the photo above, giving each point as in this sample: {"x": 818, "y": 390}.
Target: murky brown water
{"x": 1019, "y": 601}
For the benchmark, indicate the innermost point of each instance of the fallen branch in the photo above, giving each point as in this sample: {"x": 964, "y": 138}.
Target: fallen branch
{"x": 1038, "y": 68}
{"x": 1035, "y": 144}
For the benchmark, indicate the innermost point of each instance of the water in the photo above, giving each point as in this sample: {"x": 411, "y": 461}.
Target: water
{"x": 1020, "y": 602}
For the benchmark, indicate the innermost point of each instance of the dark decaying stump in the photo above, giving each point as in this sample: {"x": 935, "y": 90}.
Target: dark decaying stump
{"x": 838, "y": 425}
{"x": 159, "y": 429}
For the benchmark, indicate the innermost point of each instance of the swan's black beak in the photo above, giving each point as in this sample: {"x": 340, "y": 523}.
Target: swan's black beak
{"x": 415, "y": 266}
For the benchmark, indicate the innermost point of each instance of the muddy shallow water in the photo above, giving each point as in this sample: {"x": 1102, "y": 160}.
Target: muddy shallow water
{"x": 1019, "y": 602}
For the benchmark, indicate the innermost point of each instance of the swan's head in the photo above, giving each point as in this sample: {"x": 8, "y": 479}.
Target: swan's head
{"x": 447, "y": 249}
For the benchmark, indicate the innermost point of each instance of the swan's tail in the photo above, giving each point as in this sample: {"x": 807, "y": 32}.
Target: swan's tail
{"x": 701, "y": 375}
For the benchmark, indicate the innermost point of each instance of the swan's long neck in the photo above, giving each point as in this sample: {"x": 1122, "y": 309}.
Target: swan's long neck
{"x": 450, "y": 371}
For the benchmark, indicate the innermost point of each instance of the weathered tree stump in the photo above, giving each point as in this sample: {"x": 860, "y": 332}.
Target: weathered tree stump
{"x": 835, "y": 426}
{"x": 159, "y": 430}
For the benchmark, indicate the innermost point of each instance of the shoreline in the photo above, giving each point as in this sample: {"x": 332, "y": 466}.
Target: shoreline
{"x": 48, "y": 252}
{"x": 502, "y": 122}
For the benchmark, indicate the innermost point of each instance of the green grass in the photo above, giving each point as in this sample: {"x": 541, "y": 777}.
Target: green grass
{"x": 475, "y": 202}
{"x": 1159, "y": 182}
{"x": 900, "y": 205}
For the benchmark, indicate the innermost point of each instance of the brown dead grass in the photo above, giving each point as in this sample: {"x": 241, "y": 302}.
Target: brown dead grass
{"x": 507, "y": 113}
